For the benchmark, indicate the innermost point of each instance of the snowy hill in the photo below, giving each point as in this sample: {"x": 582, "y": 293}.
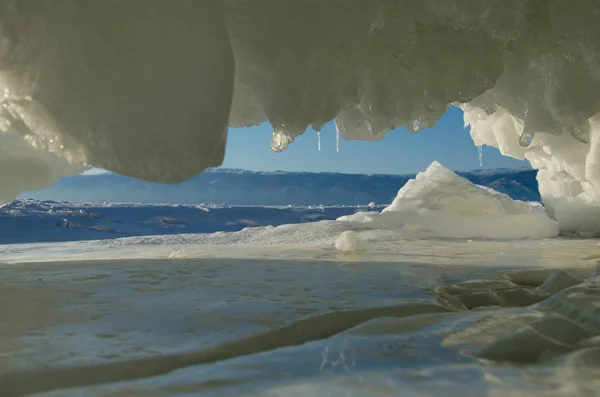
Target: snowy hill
{"x": 237, "y": 187}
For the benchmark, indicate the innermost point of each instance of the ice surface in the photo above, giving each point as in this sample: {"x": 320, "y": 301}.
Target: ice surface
{"x": 526, "y": 73}
{"x": 277, "y": 311}
{"x": 278, "y": 323}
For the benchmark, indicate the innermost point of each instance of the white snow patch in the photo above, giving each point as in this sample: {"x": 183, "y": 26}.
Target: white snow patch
{"x": 439, "y": 203}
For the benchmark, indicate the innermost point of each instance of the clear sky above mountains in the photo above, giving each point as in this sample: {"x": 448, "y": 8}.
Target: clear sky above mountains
{"x": 400, "y": 152}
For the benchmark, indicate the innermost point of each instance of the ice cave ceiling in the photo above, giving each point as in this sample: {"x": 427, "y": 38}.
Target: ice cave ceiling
{"x": 147, "y": 88}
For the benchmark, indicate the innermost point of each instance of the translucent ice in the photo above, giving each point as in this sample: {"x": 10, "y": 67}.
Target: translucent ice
{"x": 318, "y": 141}
{"x": 281, "y": 140}
{"x": 142, "y": 88}
{"x": 23, "y": 167}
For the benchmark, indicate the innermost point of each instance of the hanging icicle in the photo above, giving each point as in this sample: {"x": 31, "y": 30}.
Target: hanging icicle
{"x": 318, "y": 141}
{"x": 337, "y": 138}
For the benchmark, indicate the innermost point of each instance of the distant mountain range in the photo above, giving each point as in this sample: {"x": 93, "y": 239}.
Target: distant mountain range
{"x": 238, "y": 187}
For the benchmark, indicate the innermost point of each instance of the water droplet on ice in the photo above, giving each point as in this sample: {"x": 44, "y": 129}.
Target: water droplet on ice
{"x": 280, "y": 140}
{"x": 525, "y": 139}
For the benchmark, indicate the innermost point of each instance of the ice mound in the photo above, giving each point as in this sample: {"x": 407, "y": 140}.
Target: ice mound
{"x": 525, "y": 72}
{"x": 347, "y": 241}
{"x": 439, "y": 203}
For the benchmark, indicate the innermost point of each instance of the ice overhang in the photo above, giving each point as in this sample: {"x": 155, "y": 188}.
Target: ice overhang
{"x": 147, "y": 88}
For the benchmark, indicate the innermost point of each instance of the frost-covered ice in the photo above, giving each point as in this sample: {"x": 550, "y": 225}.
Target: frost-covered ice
{"x": 525, "y": 72}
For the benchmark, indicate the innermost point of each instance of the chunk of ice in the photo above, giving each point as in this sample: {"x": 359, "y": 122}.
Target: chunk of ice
{"x": 347, "y": 241}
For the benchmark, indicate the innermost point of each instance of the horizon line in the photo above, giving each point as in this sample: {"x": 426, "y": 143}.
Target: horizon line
{"x": 97, "y": 171}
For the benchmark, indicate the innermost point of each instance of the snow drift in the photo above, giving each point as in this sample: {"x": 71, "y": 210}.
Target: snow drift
{"x": 146, "y": 88}
{"x": 439, "y": 203}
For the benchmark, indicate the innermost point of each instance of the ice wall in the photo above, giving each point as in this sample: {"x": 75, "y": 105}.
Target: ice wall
{"x": 145, "y": 87}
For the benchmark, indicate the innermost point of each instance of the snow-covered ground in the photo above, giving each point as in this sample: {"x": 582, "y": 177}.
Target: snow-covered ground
{"x": 27, "y": 221}
{"x": 453, "y": 289}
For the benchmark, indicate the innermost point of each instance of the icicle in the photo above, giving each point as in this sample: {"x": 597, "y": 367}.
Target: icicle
{"x": 480, "y": 150}
{"x": 337, "y": 138}
{"x": 319, "y": 141}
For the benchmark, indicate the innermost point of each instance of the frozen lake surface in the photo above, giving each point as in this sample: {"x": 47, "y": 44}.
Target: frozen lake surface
{"x": 452, "y": 290}
{"x": 297, "y": 320}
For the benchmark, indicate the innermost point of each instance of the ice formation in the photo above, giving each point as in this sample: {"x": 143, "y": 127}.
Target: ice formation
{"x": 146, "y": 88}
{"x": 318, "y": 141}
{"x": 347, "y": 241}
{"x": 439, "y": 203}
{"x": 124, "y": 86}
{"x": 569, "y": 170}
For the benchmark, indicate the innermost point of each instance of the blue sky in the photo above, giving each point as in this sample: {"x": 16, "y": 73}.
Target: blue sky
{"x": 400, "y": 152}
